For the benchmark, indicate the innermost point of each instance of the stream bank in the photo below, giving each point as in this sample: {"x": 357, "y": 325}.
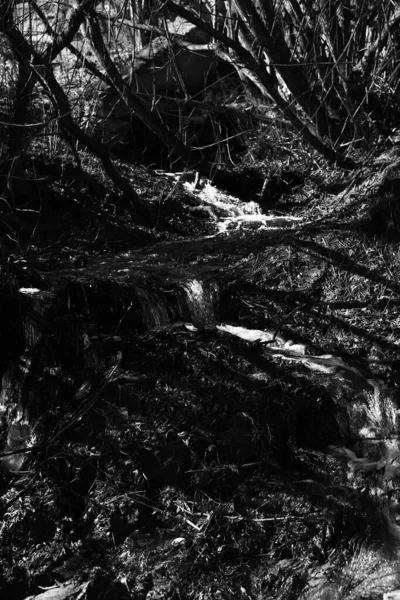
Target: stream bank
{"x": 209, "y": 417}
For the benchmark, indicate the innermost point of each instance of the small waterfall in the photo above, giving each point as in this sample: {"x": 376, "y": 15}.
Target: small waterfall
{"x": 190, "y": 300}
{"x": 236, "y": 214}
{"x": 202, "y": 301}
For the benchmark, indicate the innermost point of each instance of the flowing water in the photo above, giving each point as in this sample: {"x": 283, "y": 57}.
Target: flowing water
{"x": 153, "y": 288}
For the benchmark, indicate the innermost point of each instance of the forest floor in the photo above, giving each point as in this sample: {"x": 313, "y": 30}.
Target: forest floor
{"x": 184, "y": 462}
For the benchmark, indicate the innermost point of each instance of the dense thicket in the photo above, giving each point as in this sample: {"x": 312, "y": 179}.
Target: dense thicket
{"x": 92, "y": 72}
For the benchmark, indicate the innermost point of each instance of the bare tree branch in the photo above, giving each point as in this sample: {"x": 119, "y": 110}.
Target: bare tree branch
{"x": 265, "y": 82}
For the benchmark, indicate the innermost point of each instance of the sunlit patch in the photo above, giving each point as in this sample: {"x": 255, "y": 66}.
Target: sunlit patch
{"x": 263, "y": 337}
{"x": 17, "y": 440}
{"x": 29, "y": 291}
{"x": 263, "y": 222}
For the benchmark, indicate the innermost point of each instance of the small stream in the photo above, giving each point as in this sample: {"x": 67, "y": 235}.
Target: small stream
{"x": 152, "y": 288}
